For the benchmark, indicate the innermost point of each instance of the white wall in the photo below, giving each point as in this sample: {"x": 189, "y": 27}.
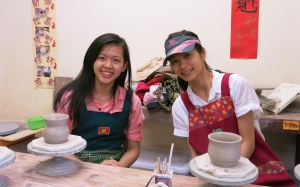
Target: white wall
{"x": 145, "y": 25}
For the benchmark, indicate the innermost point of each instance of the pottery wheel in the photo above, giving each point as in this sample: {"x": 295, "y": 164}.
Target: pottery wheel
{"x": 263, "y": 100}
{"x": 243, "y": 168}
{"x": 3, "y": 181}
{"x": 297, "y": 172}
{"x": 5, "y": 162}
{"x": 73, "y": 142}
{"x": 59, "y": 153}
{"x": 57, "y": 165}
{"x": 257, "y": 87}
{"x": 8, "y": 128}
{"x": 213, "y": 180}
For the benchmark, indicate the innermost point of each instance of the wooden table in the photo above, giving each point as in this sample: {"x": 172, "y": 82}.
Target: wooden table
{"x": 22, "y": 173}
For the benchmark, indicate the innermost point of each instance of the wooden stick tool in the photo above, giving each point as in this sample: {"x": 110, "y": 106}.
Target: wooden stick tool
{"x": 158, "y": 163}
{"x": 170, "y": 157}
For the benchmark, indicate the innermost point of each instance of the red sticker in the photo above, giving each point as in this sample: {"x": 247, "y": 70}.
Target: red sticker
{"x": 104, "y": 130}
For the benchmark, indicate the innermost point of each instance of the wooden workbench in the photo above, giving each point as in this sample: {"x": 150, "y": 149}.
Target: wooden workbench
{"x": 274, "y": 123}
{"x": 22, "y": 173}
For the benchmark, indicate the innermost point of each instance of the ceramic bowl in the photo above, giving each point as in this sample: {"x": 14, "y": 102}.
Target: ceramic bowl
{"x": 224, "y": 148}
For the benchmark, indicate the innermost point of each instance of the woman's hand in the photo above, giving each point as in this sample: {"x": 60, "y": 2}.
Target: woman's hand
{"x": 111, "y": 162}
{"x": 193, "y": 151}
{"x": 131, "y": 154}
{"x": 72, "y": 157}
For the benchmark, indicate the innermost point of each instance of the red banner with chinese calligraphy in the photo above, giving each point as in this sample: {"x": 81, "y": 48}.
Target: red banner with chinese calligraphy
{"x": 44, "y": 43}
{"x": 244, "y": 29}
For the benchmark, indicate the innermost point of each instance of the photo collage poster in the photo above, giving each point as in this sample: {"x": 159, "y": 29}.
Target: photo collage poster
{"x": 44, "y": 43}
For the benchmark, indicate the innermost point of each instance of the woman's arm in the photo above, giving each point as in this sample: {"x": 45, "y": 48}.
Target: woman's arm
{"x": 193, "y": 152}
{"x": 129, "y": 157}
{"x": 247, "y": 132}
{"x": 247, "y": 108}
{"x": 131, "y": 154}
{"x": 133, "y": 133}
{"x": 72, "y": 157}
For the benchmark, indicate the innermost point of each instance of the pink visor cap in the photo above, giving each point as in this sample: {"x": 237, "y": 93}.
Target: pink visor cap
{"x": 180, "y": 44}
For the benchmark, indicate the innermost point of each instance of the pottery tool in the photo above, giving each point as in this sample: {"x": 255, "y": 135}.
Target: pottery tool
{"x": 170, "y": 158}
{"x": 164, "y": 167}
{"x": 158, "y": 163}
{"x": 157, "y": 168}
{"x": 167, "y": 166}
{"x": 149, "y": 181}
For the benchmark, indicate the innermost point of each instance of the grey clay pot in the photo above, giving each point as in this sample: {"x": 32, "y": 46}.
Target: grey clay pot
{"x": 224, "y": 148}
{"x": 56, "y": 130}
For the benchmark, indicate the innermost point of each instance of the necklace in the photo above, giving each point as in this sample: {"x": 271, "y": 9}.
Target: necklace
{"x": 101, "y": 100}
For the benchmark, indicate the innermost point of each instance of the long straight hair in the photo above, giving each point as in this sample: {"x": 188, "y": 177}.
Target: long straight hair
{"x": 182, "y": 83}
{"x": 82, "y": 86}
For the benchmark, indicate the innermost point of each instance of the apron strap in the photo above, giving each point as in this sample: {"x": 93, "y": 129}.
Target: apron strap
{"x": 225, "y": 85}
{"x": 187, "y": 102}
{"x": 128, "y": 99}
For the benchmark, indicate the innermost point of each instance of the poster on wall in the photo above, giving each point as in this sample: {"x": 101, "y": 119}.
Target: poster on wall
{"x": 44, "y": 43}
{"x": 244, "y": 29}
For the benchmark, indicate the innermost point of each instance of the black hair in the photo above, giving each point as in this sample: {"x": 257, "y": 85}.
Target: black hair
{"x": 84, "y": 83}
{"x": 182, "y": 83}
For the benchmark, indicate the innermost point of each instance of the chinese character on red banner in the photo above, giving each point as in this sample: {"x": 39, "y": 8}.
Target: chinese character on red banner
{"x": 244, "y": 29}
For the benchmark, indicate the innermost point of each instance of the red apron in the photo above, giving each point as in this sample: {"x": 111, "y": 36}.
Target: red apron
{"x": 220, "y": 116}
